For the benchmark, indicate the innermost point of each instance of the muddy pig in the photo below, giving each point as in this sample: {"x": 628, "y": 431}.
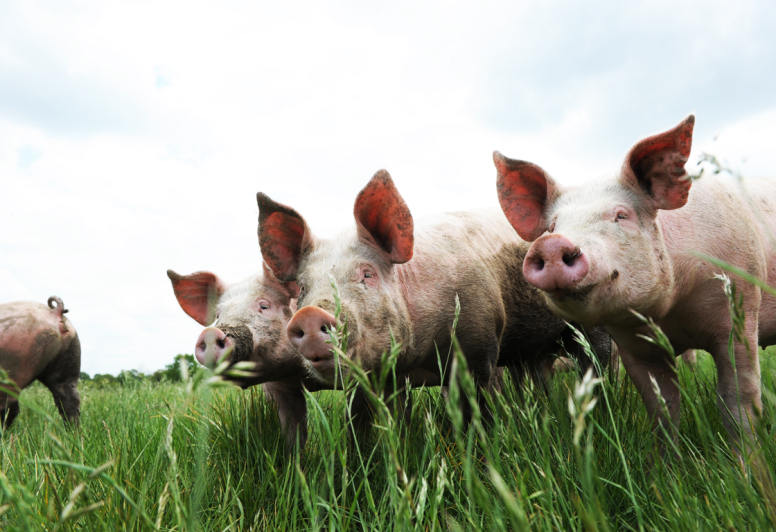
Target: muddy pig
{"x": 401, "y": 280}
{"x": 629, "y": 243}
{"x": 250, "y": 325}
{"x": 37, "y": 342}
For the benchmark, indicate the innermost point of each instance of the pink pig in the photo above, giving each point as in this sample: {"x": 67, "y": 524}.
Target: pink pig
{"x": 396, "y": 279}
{"x": 629, "y": 243}
{"x": 39, "y": 343}
{"x": 250, "y": 326}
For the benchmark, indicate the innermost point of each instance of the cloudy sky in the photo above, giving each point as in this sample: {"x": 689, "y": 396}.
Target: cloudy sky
{"x": 134, "y": 136}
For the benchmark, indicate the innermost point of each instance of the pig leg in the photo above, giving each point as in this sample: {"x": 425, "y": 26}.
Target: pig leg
{"x": 738, "y": 388}
{"x": 482, "y": 367}
{"x": 9, "y": 409}
{"x": 292, "y": 411}
{"x": 663, "y": 370}
{"x": 67, "y": 400}
{"x": 61, "y": 378}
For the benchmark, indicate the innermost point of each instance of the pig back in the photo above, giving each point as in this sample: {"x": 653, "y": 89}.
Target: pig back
{"x": 32, "y": 335}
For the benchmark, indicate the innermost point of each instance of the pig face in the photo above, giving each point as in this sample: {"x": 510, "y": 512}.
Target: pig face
{"x": 361, "y": 261}
{"x": 250, "y": 323}
{"x": 598, "y": 249}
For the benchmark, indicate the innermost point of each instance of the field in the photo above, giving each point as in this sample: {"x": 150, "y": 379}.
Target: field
{"x": 192, "y": 456}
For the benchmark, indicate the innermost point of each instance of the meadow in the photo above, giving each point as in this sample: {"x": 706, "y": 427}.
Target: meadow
{"x": 207, "y": 456}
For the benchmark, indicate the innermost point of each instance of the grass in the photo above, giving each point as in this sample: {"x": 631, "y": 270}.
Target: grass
{"x": 192, "y": 457}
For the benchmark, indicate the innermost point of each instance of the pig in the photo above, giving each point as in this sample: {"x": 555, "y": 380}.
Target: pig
{"x": 398, "y": 280}
{"x": 250, "y": 325}
{"x": 37, "y": 342}
{"x": 603, "y": 249}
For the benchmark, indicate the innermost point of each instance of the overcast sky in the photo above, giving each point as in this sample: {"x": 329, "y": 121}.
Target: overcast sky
{"x": 134, "y": 136}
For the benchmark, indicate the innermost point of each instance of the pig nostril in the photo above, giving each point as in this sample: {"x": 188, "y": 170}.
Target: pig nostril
{"x": 570, "y": 258}
{"x": 220, "y": 343}
{"x": 540, "y": 264}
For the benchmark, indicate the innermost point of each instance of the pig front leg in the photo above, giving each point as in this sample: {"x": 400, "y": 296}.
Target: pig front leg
{"x": 481, "y": 357}
{"x": 660, "y": 367}
{"x": 292, "y": 411}
{"x": 738, "y": 388}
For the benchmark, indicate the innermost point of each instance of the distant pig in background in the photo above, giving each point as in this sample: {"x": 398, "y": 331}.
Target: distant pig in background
{"x": 401, "y": 280}
{"x": 39, "y": 343}
{"x": 605, "y": 248}
{"x": 250, "y": 326}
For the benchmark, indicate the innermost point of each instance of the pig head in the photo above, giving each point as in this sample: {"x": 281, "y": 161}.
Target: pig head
{"x": 250, "y": 326}
{"x": 362, "y": 263}
{"x": 37, "y": 342}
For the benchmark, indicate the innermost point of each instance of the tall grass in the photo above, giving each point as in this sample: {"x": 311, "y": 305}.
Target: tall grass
{"x": 190, "y": 457}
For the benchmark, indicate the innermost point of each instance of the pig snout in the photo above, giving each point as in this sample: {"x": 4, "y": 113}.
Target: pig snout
{"x": 308, "y": 331}
{"x": 212, "y": 345}
{"x": 554, "y": 264}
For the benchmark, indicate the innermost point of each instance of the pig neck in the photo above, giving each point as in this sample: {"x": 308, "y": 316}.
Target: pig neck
{"x": 715, "y": 223}
{"x": 447, "y": 252}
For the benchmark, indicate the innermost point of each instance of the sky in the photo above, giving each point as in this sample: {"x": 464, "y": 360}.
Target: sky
{"x": 135, "y": 135}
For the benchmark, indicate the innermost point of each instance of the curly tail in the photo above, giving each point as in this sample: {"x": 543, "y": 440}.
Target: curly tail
{"x": 60, "y": 306}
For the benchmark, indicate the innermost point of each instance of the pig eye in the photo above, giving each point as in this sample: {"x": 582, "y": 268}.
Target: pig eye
{"x": 264, "y": 306}
{"x": 621, "y": 216}
{"x": 368, "y": 274}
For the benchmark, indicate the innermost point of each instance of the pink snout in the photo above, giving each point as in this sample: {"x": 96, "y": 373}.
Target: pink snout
{"x": 554, "y": 263}
{"x": 308, "y": 331}
{"x": 212, "y": 346}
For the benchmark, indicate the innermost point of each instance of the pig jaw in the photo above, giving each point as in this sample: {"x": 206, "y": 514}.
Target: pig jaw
{"x": 628, "y": 266}
{"x": 371, "y": 301}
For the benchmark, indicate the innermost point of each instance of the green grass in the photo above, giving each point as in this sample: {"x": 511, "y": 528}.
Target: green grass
{"x": 185, "y": 457}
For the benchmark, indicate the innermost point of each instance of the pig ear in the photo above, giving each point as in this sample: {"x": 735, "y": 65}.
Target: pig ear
{"x": 283, "y": 237}
{"x": 655, "y": 166}
{"x": 289, "y": 289}
{"x": 198, "y": 294}
{"x": 383, "y": 219}
{"x": 524, "y": 192}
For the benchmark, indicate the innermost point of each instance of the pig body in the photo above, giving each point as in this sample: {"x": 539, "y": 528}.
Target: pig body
{"x": 37, "y": 342}
{"x": 603, "y": 249}
{"x": 472, "y": 255}
{"x": 250, "y": 323}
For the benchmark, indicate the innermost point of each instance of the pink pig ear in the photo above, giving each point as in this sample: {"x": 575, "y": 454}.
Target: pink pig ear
{"x": 655, "y": 166}
{"x": 198, "y": 294}
{"x": 283, "y": 236}
{"x": 289, "y": 289}
{"x": 383, "y": 219}
{"x": 524, "y": 192}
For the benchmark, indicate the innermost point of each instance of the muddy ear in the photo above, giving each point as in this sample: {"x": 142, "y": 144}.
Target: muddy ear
{"x": 655, "y": 166}
{"x": 383, "y": 219}
{"x": 283, "y": 236}
{"x": 198, "y": 294}
{"x": 289, "y": 289}
{"x": 525, "y": 191}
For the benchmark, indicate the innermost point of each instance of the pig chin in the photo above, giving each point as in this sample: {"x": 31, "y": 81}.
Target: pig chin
{"x": 584, "y": 304}
{"x": 325, "y": 371}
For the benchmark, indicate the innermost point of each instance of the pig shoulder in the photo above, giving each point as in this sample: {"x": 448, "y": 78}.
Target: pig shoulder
{"x": 721, "y": 219}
